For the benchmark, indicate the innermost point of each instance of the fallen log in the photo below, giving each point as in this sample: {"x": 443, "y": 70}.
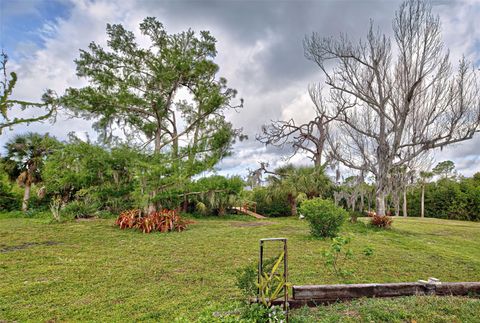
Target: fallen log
{"x": 315, "y": 294}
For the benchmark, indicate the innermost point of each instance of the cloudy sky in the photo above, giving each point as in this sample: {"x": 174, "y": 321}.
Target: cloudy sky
{"x": 260, "y": 52}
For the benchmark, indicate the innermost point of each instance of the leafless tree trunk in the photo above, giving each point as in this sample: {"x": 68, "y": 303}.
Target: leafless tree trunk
{"x": 396, "y": 200}
{"x": 308, "y": 137}
{"x": 391, "y": 106}
{"x": 405, "y": 202}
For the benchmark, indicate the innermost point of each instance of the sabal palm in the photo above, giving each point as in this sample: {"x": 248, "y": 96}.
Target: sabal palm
{"x": 297, "y": 183}
{"x": 25, "y": 157}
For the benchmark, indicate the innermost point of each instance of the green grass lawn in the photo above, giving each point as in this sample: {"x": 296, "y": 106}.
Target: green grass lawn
{"x": 93, "y": 271}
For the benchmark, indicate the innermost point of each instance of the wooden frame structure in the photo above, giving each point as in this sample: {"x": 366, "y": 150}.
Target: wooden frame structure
{"x": 285, "y": 269}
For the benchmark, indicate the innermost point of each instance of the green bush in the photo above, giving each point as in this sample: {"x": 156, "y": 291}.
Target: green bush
{"x": 269, "y": 205}
{"x": 78, "y": 209}
{"x": 324, "y": 216}
{"x": 9, "y": 201}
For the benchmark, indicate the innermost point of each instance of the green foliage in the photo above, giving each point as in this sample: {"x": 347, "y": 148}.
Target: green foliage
{"x": 135, "y": 88}
{"x": 79, "y": 209}
{"x": 93, "y": 177}
{"x": 290, "y": 182}
{"x": 214, "y": 194}
{"x": 268, "y": 205}
{"x": 9, "y": 200}
{"x": 324, "y": 216}
{"x": 456, "y": 199}
{"x": 338, "y": 257}
{"x": 289, "y": 185}
{"x": 444, "y": 169}
{"x": 247, "y": 276}
{"x": 272, "y": 283}
{"x": 246, "y": 279}
{"x": 258, "y": 313}
{"x": 26, "y": 155}
{"x": 25, "y": 159}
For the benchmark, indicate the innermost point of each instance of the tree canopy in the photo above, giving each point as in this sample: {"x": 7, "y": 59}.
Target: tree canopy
{"x": 167, "y": 94}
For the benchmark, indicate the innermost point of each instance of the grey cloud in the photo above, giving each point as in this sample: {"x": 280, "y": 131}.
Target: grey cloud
{"x": 260, "y": 52}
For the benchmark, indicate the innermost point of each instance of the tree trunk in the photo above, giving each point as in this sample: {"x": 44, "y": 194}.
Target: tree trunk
{"x": 380, "y": 198}
{"x": 362, "y": 203}
{"x": 422, "y": 202}
{"x": 158, "y": 141}
{"x": 397, "y": 204}
{"x": 293, "y": 205}
{"x": 221, "y": 211}
{"x": 405, "y": 203}
{"x": 26, "y": 196}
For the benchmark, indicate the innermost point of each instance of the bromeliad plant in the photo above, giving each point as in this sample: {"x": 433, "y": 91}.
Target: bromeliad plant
{"x": 271, "y": 284}
{"x": 163, "y": 221}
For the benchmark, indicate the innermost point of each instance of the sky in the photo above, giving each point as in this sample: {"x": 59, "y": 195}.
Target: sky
{"x": 260, "y": 52}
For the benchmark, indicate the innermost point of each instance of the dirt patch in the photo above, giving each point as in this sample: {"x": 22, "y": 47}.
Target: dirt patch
{"x": 250, "y": 224}
{"x": 28, "y": 245}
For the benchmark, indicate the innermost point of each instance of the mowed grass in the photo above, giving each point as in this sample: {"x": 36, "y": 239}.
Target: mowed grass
{"x": 93, "y": 271}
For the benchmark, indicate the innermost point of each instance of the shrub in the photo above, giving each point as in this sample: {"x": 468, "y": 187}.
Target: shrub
{"x": 324, "y": 216}
{"x": 268, "y": 204}
{"x": 78, "y": 210}
{"x": 337, "y": 255}
{"x": 379, "y": 221}
{"x": 164, "y": 221}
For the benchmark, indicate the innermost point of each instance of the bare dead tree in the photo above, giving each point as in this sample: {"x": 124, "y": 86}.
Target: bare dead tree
{"x": 309, "y": 137}
{"x": 394, "y": 104}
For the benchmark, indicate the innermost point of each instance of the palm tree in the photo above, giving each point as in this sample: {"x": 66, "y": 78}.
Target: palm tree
{"x": 25, "y": 157}
{"x": 298, "y": 183}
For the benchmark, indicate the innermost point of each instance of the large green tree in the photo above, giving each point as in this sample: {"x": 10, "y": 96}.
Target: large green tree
{"x": 166, "y": 94}
{"x": 25, "y": 159}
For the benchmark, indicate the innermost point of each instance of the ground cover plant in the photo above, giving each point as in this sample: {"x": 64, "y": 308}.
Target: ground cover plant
{"x": 80, "y": 274}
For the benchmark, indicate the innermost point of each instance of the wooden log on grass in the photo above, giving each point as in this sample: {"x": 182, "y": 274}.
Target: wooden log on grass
{"x": 331, "y": 293}
{"x": 458, "y": 289}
